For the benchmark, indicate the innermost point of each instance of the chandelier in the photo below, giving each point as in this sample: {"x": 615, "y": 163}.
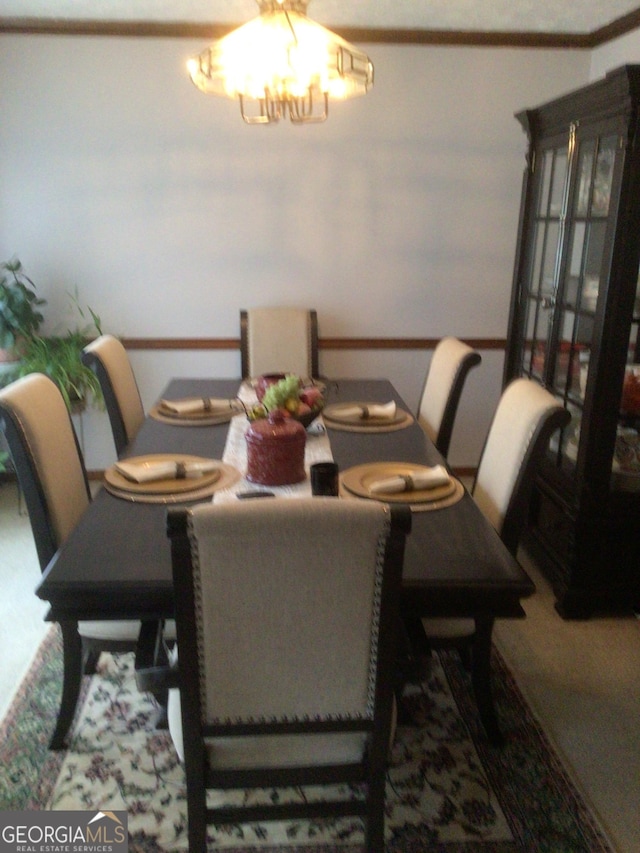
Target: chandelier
{"x": 282, "y": 64}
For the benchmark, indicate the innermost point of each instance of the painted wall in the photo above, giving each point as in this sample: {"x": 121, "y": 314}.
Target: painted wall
{"x": 622, "y": 51}
{"x": 397, "y": 217}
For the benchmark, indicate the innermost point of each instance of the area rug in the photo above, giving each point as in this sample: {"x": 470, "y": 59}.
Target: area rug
{"x": 447, "y": 789}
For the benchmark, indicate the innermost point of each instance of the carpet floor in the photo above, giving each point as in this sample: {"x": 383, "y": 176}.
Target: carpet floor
{"x": 448, "y": 789}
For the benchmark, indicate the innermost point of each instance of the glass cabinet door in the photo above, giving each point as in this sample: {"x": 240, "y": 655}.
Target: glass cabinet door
{"x": 540, "y": 291}
{"x": 579, "y": 290}
{"x": 565, "y": 262}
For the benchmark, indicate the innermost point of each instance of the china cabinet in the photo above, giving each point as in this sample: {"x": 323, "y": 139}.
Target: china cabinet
{"x": 573, "y": 326}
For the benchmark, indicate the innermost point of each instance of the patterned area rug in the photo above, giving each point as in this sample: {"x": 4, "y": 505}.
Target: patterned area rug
{"x": 447, "y": 788}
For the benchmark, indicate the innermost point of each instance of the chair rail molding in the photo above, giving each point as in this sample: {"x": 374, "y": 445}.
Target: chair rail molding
{"x": 324, "y": 343}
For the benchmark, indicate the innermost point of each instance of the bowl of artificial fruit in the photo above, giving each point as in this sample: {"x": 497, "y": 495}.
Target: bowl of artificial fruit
{"x": 290, "y": 396}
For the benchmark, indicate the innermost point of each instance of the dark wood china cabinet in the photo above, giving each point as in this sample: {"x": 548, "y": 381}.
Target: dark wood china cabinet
{"x": 574, "y": 327}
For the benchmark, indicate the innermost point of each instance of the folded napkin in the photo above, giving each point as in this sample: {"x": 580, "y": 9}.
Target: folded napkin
{"x": 378, "y": 412}
{"x": 146, "y": 471}
{"x": 197, "y": 405}
{"x": 414, "y": 482}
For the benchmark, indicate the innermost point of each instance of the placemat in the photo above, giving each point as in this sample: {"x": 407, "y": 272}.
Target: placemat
{"x": 354, "y": 484}
{"x": 202, "y": 420}
{"x": 166, "y": 485}
{"x": 226, "y": 476}
{"x": 331, "y": 418}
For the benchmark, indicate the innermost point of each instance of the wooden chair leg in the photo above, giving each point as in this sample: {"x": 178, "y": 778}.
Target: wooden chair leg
{"x": 71, "y": 681}
{"x": 481, "y": 679}
{"x": 151, "y": 654}
{"x": 197, "y": 811}
{"x": 90, "y": 657}
{"x": 374, "y": 828}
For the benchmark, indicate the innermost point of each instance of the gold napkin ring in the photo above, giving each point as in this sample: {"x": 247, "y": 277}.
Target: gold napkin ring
{"x": 409, "y": 485}
{"x": 206, "y": 404}
{"x": 181, "y": 471}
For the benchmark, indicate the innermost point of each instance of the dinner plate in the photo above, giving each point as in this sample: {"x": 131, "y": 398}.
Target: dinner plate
{"x": 228, "y": 476}
{"x": 358, "y": 481}
{"x": 196, "y": 415}
{"x": 160, "y": 413}
{"x": 170, "y": 485}
{"x": 334, "y": 418}
{"x": 340, "y": 412}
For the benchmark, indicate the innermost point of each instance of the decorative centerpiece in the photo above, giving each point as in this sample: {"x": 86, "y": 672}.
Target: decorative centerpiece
{"x": 275, "y": 450}
{"x": 276, "y": 437}
{"x": 289, "y": 395}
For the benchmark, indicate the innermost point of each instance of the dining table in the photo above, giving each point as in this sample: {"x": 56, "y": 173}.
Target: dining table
{"x": 116, "y": 563}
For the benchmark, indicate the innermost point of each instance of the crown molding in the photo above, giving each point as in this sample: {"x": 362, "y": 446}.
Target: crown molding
{"x": 186, "y": 30}
{"x": 619, "y": 27}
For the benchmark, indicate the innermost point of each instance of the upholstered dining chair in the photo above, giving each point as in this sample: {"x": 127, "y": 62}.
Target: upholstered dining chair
{"x": 450, "y": 364}
{"x": 526, "y": 417}
{"x": 51, "y": 473}
{"x": 279, "y": 340}
{"x": 287, "y": 617}
{"x": 108, "y": 359}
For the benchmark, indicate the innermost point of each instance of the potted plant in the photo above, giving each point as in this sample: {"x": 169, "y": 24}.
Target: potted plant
{"x": 59, "y": 357}
{"x": 19, "y": 309}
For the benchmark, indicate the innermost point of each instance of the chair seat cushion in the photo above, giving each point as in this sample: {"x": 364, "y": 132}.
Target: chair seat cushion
{"x": 269, "y": 750}
{"x": 124, "y": 630}
{"x": 284, "y": 750}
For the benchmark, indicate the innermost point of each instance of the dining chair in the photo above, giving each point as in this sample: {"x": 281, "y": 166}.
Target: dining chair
{"x": 450, "y": 364}
{"x": 526, "y": 417}
{"x": 287, "y": 617}
{"x": 49, "y": 466}
{"x": 279, "y": 340}
{"x": 108, "y": 359}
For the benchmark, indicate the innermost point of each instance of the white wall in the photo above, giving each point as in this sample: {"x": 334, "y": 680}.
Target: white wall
{"x": 397, "y": 217}
{"x": 622, "y": 51}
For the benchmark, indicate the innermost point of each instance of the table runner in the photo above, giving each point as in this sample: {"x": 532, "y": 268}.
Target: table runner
{"x": 317, "y": 449}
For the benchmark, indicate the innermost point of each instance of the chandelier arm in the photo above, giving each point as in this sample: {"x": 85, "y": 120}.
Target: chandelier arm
{"x": 293, "y": 32}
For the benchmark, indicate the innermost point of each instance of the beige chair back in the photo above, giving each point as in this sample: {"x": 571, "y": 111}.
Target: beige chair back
{"x": 524, "y": 420}
{"x": 44, "y": 425}
{"x": 306, "y": 577}
{"x": 450, "y": 363}
{"x": 280, "y": 340}
{"x": 109, "y": 359}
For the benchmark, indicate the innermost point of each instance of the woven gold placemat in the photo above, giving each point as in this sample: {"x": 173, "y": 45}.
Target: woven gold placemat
{"x": 228, "y": 476}
{"x": 342, "y": 426}
{"x": 201, "y": 420}
{"x": 426, "y": 506}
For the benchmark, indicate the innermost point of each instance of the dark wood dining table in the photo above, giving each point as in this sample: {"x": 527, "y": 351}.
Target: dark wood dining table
{"x": 116, "y": 564}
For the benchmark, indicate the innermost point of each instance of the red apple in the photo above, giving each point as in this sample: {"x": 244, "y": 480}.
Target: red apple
{"x": 312, "y": 396}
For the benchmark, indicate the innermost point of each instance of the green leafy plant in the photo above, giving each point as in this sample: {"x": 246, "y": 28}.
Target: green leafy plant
{"x": 20, "y": 316}
{"x": 60, "y": 358}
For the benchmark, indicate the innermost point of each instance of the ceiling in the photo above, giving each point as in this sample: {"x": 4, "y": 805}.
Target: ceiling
{"x": 573, "y": 17}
